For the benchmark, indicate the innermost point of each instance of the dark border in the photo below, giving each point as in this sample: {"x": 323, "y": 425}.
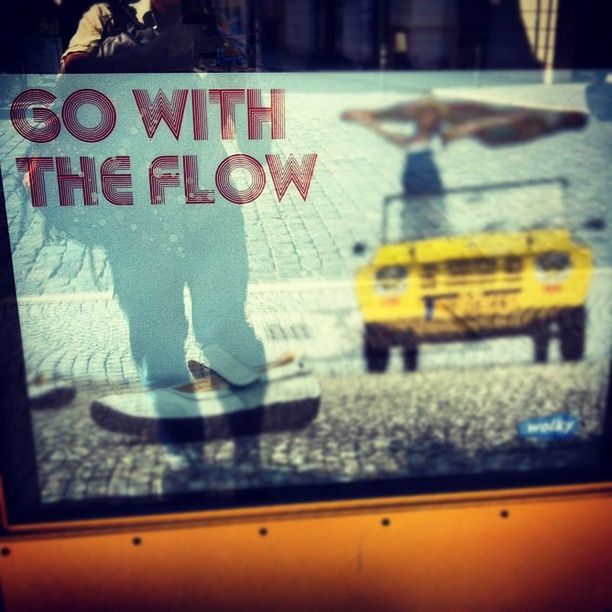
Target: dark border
{"x": 126, "y": 507}
{"x": 17, "y": 455}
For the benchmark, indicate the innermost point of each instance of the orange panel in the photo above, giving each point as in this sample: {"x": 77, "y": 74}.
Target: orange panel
{"x": 547, "y": 553}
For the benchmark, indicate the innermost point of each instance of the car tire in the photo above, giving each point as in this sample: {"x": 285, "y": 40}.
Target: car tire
{"x": 572, "y": 333}
{"x": 411, "y": 358}
{"x": 376, "y": 357}
{"x": 541, "y": 340}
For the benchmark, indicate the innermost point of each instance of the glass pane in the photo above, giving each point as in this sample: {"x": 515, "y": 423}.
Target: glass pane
{"x": 240, "y": 285}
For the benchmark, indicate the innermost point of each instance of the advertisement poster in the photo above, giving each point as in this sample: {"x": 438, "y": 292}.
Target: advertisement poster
{"x": 242, "y": 281}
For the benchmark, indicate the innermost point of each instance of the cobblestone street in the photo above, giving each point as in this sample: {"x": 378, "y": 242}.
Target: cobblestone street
{"x": 386, "y": 426}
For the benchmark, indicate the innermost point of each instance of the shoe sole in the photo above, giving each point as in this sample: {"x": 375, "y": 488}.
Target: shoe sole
{"x": 277, "y": 417}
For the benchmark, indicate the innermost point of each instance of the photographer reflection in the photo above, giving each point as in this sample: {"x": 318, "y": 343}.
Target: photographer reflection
{"x": 146, "y": 36}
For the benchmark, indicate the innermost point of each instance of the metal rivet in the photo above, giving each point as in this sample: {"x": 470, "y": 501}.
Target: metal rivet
{"x": 263, "y": 532}
{"x": 136, "y": 541}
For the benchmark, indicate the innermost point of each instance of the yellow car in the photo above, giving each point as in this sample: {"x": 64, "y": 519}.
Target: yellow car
{"x": 475, "y": 286}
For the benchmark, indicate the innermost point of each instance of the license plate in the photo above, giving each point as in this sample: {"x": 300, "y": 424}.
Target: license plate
{"x": 469, "y": 306}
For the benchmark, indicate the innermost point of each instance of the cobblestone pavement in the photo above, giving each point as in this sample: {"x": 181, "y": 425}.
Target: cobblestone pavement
{"x": 319, "y": 319}
{"x": 392, "y": 425}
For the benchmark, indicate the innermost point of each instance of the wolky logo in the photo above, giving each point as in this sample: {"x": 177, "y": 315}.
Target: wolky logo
{"x": 554, "y": 426}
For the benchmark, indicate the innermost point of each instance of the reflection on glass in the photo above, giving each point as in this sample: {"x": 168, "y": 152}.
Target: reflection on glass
{"x": 448, "y": 344}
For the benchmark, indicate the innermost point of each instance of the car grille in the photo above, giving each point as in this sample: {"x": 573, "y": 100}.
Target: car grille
{"x": 471, "y": 270}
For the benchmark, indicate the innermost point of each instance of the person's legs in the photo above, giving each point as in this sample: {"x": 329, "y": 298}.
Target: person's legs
{"x": 149, "y": 288}
{"x": 515, "y": 126}
{"x": 218, "y": 274}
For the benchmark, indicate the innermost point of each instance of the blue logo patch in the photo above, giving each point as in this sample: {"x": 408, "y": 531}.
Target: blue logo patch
{"x": 552, "y": 427}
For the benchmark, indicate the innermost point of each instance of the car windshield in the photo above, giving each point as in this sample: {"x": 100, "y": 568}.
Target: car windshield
{"x": 506, "y": 207}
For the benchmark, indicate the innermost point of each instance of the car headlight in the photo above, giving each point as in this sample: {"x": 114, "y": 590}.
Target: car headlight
{"x": 391, "y": 279}
{"x": 553, "y": 266}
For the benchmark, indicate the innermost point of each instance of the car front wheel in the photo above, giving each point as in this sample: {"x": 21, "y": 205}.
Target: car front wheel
{"x": 572, "y": 333}
{"x": 377, "y": 358}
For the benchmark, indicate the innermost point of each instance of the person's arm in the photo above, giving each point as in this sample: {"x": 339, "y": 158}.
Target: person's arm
{"x": 81, "y": 50}
{"x": 367, "y": 119}
{"x": 78, "y": 62}
{"x": 396, "y": 138}
{"x": 399, "y": 112}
